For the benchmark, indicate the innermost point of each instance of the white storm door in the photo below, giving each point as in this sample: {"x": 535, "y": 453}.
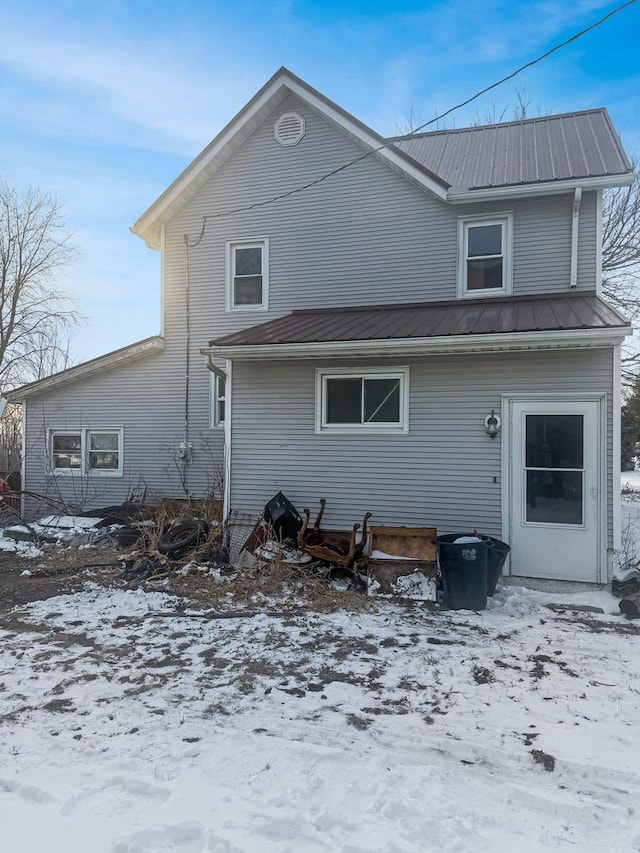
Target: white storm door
{"x": 555, "y": 490}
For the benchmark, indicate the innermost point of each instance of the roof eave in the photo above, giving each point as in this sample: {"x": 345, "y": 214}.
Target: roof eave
{"x": 460, "y": 195}
{"x": 88, "y": 368}
{"x": 238, "y": 129}
{"x": 445, "y": 344}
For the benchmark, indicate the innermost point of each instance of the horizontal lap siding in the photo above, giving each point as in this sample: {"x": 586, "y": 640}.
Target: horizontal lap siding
{"x": 441, "y": 474}
{"x": 364, "y": 236}
{"x": 146, "y": 399}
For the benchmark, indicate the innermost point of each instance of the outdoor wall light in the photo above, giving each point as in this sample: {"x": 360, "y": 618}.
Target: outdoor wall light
{"x": 492, "y": 424}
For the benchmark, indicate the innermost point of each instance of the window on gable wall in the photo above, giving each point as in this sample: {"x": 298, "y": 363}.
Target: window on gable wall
{"x": 247, "y": 274}
{"x": 95, "y": 452}
{"x": 374, "y": 401}
{"x": 485, "y": 255}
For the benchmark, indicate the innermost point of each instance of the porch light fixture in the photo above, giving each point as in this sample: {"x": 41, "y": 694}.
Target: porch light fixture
{"x": 492, "y": 424}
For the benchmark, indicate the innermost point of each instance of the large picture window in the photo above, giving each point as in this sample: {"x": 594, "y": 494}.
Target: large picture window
{"x": 247, "y": 274}
{"x": 86, "y": 451}
{"x": 485, "y": 255}
{"x": 374, "y": 401}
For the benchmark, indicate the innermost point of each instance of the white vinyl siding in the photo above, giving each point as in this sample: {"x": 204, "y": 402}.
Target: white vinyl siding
{"x": 445, "y": 473}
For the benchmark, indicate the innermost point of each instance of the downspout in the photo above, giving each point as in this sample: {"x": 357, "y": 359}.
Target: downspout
{"x": 575, "y": 226}
{"x": 214, "y": 368}
{"x": 226, "y": 375}
{"x": 184, "y": 448}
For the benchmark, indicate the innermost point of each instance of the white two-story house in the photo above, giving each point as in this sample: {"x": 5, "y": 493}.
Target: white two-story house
{"x": 413, "y": 327}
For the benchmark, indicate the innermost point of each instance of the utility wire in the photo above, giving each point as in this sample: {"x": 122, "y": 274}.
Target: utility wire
{"x": 395, "y": 139}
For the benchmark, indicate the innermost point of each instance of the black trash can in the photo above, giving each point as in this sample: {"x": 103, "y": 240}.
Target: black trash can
{"x": 496, "y": 558}
{"x": 463, "y": 567}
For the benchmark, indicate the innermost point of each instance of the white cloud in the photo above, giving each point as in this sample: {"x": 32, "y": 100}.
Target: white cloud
{"x": 98, "y": 89}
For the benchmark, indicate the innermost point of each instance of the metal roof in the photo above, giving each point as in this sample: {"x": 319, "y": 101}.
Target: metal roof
{"x": 549, "y": 148}
{"x": 432, "y": 319}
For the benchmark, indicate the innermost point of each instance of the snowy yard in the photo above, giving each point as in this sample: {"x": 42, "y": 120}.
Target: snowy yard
{"x": 133, "y": 722}
{"x": 126, "y": 731}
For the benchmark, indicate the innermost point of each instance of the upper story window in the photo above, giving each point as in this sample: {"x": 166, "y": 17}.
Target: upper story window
{"x": 362, "y": 401}
{"x": 247, "y": 274}
{"x": 485, "y": 255}
{"x": 86, "y": 451}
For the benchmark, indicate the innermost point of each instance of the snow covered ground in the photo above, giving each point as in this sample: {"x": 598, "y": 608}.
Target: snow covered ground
{"x": 130, "y": 725}
{"x": 394, "y": 728}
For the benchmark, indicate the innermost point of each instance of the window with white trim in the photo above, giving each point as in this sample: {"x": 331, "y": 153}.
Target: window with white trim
{"x": 362, "y": 401}
{"x": 247, "y": 274}
{"x": 217, "y": 391}
{"x": 97, "y": 452}
{"x": 485, "y": 255}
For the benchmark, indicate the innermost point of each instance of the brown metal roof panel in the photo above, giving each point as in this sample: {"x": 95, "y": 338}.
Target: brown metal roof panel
{"x": 487, "y": 318}
{"x": 524, "y": 316}
{"x": 582, "y": 314}
{"x": 513, "y": 314}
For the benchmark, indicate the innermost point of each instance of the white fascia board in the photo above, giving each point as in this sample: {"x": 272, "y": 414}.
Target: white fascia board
{"x": 570, "y": 338}
{"x": 456, "y": 195}
{"x": 88, "y": 368}
{"x": 235, "y": 133}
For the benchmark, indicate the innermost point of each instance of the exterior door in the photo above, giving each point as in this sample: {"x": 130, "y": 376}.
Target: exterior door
{"x": 555, "y": 490}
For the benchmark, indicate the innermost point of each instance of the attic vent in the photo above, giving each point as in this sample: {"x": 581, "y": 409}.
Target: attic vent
{"x": 289, "y": 129}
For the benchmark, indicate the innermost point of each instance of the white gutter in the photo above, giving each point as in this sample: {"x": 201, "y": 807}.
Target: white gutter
{"x": 458, "y": 195}
{"x": 575, "y": 227}
{"x": 425, "y": 346}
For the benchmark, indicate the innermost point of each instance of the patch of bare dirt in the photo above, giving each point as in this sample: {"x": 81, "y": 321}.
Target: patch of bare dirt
{"x": 56, "y": 572}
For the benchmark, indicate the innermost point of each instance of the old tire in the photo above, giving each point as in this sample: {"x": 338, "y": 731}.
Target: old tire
{"x": 178, "y": 540}
{"x": 128, "y": 536}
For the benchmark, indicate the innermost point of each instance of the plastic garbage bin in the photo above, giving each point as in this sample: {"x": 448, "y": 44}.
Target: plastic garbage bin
{"x": 498, "y": 553}
{"x": 463, "y": 567}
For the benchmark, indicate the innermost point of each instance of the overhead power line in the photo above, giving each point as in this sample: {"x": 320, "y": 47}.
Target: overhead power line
{"x": 415, "y": 130}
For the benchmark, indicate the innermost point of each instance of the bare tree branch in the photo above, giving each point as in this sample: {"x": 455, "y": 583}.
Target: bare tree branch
{"x": 36, "y": 317}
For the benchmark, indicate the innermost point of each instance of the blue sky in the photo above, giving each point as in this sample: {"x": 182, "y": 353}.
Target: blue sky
{"x": 103, "y": 104}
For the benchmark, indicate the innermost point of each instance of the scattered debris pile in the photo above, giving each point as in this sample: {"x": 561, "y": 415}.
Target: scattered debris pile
{"x": 382, "y": 561}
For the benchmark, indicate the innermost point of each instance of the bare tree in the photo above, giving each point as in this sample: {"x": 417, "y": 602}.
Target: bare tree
{"x": 621, "y": 243}
{"x": 35, "y": 316}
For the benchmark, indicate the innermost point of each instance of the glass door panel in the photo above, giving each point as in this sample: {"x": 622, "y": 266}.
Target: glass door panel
{"x": 554, "y": 469}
